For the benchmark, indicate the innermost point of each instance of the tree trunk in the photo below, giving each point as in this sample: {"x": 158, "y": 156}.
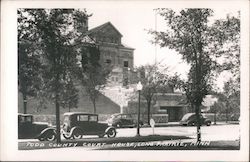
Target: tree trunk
{"x": 58, "y": 127}
{"x": 24, "y": 103}
{"x": 149, "y": 105}
{"x": 215, "y": 118}
{"x": 94, "y": 104}
{"x": 58, "y": 139}
{"x": 197, "y": 112}
{"x": 226, "y": 115}
{"x": 215, "y": 112}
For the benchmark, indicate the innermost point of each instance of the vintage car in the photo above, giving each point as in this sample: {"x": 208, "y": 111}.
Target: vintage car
{"x": 190, "y": 119}
{"x": 123, "y": 120}
{"x": 27, "y": 129}
{"x": 77, "y": 124}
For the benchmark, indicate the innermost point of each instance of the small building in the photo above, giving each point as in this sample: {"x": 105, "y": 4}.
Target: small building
{"x": 174, "y": 105}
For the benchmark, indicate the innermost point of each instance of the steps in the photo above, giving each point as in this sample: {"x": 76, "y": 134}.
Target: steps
{"x": 118, "y": 94}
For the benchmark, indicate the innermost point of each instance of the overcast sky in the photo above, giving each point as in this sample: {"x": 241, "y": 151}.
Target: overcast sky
{"x": 133, "y": 22}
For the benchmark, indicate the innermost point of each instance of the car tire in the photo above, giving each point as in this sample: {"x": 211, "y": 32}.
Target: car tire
{"x": 41, "y": 139}
{"x": 111, "y": 133}
{"x": 51, "y": 136}
{"x": 77, "y": 134}
{"x": 208, "y": 123}
{"x": 191, "y": 124}
{"x": 65, "y": 136}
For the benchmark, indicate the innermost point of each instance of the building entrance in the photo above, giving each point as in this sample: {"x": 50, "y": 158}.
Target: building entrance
{"x": 174, "y": 113}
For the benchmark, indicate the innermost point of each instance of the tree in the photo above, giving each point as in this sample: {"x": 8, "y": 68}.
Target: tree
{"x": 155, "y": 80}
{"x": 225, "y": 39}
{"x": 200, "y": 45}
{"x": 69, "y": 96}
{"x": 29, "y": 64}
{"x": 188, "y": 33}
{"x": 92, "y": 75}
{"x": 55, "y": 30}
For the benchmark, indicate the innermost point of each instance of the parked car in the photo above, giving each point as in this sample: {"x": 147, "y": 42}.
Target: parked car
{"x": 77, "y": 124}
{"x": 190, "y": 119}
{"x": 27, "y": 129}
{"x": 123, "y": 120}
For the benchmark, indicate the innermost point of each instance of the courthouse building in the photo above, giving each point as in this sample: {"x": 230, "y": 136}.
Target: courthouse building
{"x": 114, "y": 53}
{"x": 116, "y": 97}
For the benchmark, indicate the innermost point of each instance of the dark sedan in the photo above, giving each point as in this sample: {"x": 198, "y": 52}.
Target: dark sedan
{"x": 123, "y": 120}
{"x": 28, "y": 129}
{"x": 191, "y": 120}
{"x": 77, "y": 124}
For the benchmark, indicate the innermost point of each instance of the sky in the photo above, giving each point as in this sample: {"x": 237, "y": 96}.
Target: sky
{"x": 133, "y": 23}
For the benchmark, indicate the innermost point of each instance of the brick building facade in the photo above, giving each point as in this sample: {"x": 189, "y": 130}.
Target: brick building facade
{"x": 114, "y": 53}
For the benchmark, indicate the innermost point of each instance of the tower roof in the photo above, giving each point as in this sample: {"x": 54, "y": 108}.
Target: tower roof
{"x": 100, "y": 27}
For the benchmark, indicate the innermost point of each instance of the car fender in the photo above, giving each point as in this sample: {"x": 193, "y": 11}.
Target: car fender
{"x": 72, "y": 130}
{"x": 207, "y": 120}
{"x": 46, "y": 131}
{"x": 109, "y": 128}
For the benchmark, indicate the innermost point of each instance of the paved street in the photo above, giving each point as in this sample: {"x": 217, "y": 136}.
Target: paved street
{"x": 211, "y": 133}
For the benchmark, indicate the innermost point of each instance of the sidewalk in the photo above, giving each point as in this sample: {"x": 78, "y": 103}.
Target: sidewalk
{"x": 173, "y": 124}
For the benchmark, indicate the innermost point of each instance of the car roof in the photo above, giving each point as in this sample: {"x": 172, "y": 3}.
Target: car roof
{"x": 189, "y": 114}
{"x": 20, "y": 114}
{"x": 78, "y": 113}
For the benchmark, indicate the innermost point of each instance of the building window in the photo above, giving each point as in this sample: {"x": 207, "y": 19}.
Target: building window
{"x": 108, "y": 61}
{"x": 125, "y": 63}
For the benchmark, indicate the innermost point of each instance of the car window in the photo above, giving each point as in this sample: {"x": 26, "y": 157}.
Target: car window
{"x": 28, "y": 119}
{"x": 185, "y": 117}
{"x": 66, "y": 119}
{"x": 123, "y": 116}
{"x": 93, "y": 118}
{"x": 82, "y": 118}
{"x": 21, "y": 119}
{"x": 129, "y": 116}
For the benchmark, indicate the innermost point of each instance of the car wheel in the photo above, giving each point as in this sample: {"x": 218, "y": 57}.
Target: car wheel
{"x": 41, "y": 139}
{"x": 51, "y": 136}
{"x": 77, "y": 134}
{"x": 118, "y": 125}
{"x": 191, "y": 124}
{"x": 65, "y": 136}
{"x": 208, "y": 123}
{"x": 111, "y": 133}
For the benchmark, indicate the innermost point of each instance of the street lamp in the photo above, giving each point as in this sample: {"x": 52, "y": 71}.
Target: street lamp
{"x": 139, "y": 88}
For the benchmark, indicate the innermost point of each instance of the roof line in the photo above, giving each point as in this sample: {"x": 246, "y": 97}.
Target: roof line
{"x": 101, "y": 26}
